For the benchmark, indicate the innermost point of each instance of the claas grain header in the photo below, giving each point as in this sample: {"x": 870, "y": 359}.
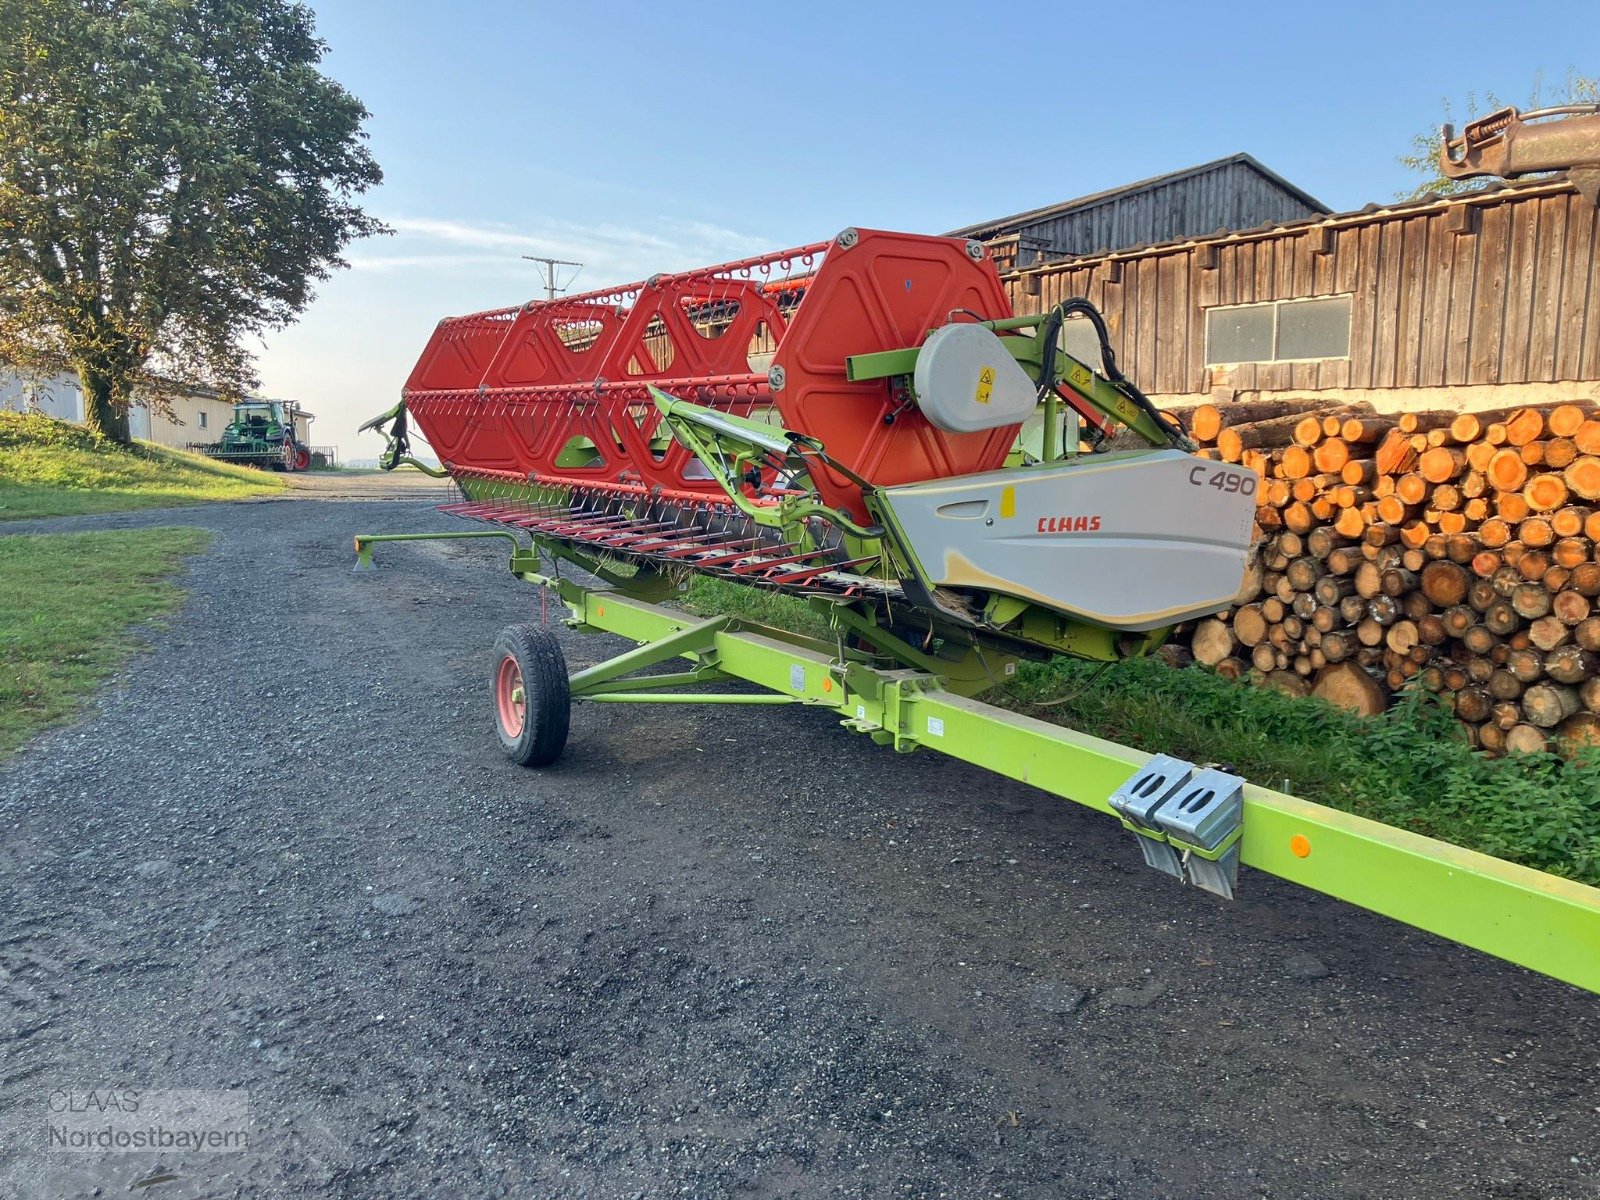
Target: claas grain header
{"x": 864, "y": 424}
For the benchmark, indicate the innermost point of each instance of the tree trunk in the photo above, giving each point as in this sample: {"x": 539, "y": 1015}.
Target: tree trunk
{"x": 104, "y": 410}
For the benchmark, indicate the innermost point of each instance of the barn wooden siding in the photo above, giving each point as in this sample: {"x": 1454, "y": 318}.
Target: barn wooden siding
{"x": 1231, "y": 193}
{"x": 1496, "y": 288}
{"x": 1233, "y": 196}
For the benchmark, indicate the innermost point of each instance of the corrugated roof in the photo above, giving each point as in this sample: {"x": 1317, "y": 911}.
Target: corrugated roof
{"x": 1017, "y": 221}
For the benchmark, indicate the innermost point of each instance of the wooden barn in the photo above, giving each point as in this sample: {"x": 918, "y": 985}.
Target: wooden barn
{"x": 1469, "y": 302}
{"x": 1230, "y": 193}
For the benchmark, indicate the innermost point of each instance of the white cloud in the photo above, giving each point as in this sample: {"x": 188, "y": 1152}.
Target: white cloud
{"x": 406, "y": 262}
{"x": 460, "y": 233}
{"x": 612, "y": 253}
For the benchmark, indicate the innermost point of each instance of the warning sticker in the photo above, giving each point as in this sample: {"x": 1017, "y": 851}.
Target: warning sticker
{"x": 985, "y": 385}
{"x": 1081, "y": 377}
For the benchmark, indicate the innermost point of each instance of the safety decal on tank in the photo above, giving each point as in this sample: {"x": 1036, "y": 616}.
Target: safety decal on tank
{"x": 985, "y": 385}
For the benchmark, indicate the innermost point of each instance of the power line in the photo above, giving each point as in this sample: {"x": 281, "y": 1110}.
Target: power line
{"x": 550, "y": 265}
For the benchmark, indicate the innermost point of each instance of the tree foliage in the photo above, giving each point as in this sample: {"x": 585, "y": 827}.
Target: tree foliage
{"x": 175, "y": 176}
{"x": 1423, "y": 157}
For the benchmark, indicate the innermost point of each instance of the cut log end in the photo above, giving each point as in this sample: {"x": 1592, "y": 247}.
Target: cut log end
{"x": 1349, "y": 687}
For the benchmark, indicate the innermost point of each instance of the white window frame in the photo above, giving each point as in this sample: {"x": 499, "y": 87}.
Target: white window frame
{"x": 202, "y": 418}
{"x": 1277, "y": 306}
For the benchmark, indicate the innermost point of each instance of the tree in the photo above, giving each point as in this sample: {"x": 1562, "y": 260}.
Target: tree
{"x": 1424, "y": 155}
{"x": 175, "y": 175}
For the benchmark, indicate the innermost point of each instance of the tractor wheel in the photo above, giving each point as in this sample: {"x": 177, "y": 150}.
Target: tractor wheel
{"x": 532, "y": 703}
{"x": 302, "y": 458}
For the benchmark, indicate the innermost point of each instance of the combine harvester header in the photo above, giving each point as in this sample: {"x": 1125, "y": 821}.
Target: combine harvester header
{"x": 863, "y": 424}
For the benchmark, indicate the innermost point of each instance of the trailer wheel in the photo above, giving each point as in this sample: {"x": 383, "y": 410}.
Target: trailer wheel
{"x": 532, "y": 703}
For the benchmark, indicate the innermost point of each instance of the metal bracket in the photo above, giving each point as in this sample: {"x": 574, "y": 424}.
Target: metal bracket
{"x": 1189, "y": 821}
{"x": 900, "y": 689}
{"x": 1136, "y": 802}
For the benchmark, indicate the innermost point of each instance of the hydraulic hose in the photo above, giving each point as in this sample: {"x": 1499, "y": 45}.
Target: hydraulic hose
{"x": 1108, "y": 360}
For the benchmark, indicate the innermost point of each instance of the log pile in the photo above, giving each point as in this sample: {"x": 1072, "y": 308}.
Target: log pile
{"x": 1457, "y": 550}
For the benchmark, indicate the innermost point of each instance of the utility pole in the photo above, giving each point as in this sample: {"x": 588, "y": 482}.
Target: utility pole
{"x": 550, "y": 265}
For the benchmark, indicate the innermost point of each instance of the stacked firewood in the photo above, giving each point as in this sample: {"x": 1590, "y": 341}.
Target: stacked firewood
{"x": 1457, "y": 550}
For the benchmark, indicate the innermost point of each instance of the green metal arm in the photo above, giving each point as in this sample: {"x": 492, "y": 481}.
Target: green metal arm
{"x": 727, "y": 444}
{"x": 397, "y": 445}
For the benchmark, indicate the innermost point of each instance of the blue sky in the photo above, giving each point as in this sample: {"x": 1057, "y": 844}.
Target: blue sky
{"x": 645, "y": 137}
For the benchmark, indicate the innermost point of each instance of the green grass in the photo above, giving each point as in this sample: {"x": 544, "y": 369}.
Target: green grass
{"x": 68, "y": 607}
{"x": 1409, "y": 767}
{"x": 50, "y": 468}
{"x": 709, "y": 596}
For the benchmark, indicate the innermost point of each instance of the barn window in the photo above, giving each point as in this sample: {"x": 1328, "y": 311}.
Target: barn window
{"x": 1242, "y": 334}
{"x": 1279, "y": 331}
{"x": 202, "y": 418}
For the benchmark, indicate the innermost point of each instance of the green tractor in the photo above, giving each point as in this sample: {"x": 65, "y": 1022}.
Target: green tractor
{"x": 262, "y": 434}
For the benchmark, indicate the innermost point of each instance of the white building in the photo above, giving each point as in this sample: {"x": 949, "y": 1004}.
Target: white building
{"x": 57, "y": 396}
{"x": 196, "y": 417}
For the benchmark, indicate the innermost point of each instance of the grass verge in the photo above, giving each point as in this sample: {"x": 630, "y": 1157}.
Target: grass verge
{"x": 1408, "y": 767}
{"x": 67, "y": 605}
{"x": 51, "y": 468}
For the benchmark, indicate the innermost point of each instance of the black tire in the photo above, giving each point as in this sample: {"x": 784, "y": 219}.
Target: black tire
{"x": 546, "y": 704}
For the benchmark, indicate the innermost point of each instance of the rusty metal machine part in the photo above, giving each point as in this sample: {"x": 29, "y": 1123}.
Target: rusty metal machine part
{"x": 1509, "y": 143}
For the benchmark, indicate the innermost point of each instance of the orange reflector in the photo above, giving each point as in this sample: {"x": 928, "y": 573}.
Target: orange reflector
{"x": 1300, "y": 846}
{"x": 827, "y": 685}
{"x": 601, "y": 609}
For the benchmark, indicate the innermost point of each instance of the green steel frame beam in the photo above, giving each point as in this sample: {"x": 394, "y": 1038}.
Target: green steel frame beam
{"x": 1539, "y": 921}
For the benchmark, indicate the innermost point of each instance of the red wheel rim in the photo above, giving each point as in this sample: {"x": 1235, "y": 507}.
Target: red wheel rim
{"x": 510, "y": 700}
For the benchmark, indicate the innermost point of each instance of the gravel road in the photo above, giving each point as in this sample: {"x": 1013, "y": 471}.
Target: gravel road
{"x": 713, "y": 953}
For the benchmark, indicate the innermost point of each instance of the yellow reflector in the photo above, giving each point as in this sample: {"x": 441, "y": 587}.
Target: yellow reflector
{"x": 1008, "y": 502}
